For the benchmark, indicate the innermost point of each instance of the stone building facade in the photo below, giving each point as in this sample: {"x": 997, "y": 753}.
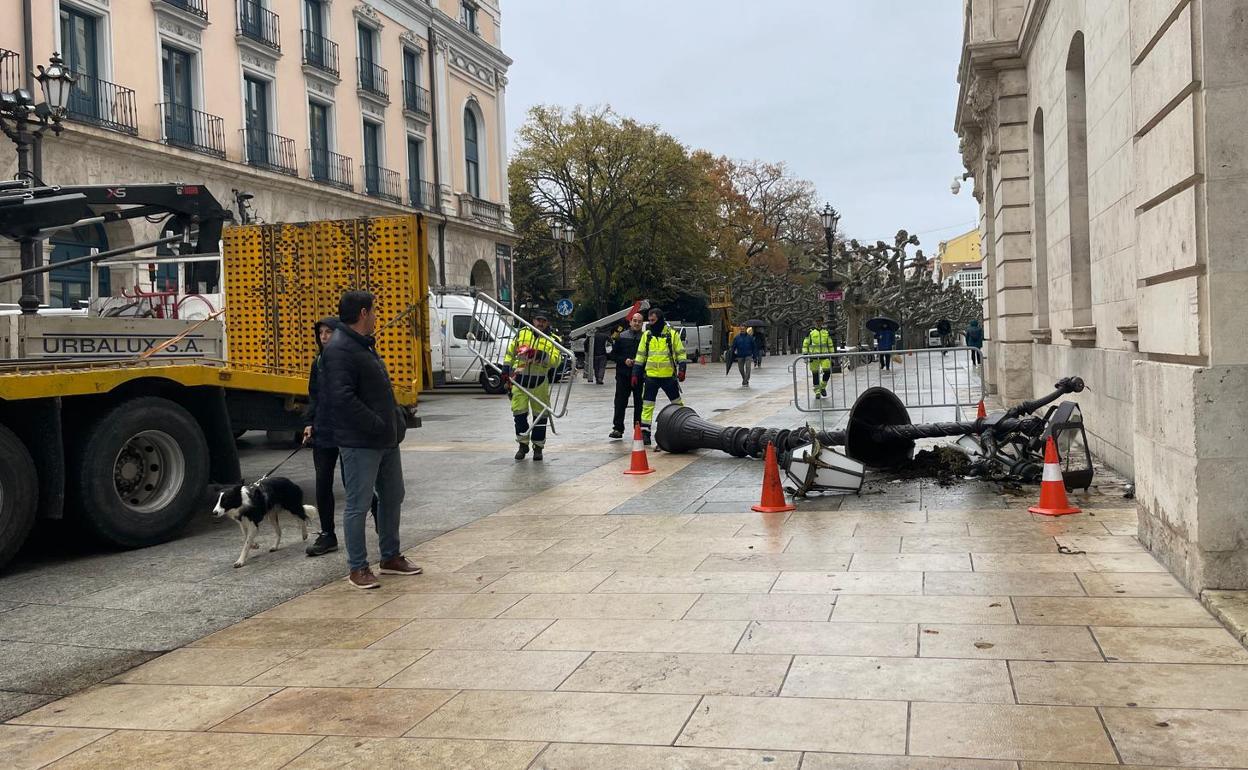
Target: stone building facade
{"x": 317, "y": 109}
{"x": 1106, "y": 143}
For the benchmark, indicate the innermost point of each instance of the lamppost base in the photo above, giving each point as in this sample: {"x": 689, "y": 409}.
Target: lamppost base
{"x": 29, "y": 303}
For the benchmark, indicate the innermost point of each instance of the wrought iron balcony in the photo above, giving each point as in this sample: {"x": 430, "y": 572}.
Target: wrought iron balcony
{"x": 416, "y": 99}
{"x": 381, "y": 183}
{"x": 192, "y": 129}
{"x": 255, "y": 22}
{"x": 373, "y": 79}
{"x": 265, "y": 150}
{"x": 320, "y": 52}
{"x": 10, "y": 70}
{"x": 329, "y": 168}
{"x": 195, "y": 7}
{"x": 423, "y": 195}
{"x": 471, "y": 207}
{"x": 103, "y": 104}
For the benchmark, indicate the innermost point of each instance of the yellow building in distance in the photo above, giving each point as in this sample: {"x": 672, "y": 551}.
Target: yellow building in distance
{"x": 960, "y": 259}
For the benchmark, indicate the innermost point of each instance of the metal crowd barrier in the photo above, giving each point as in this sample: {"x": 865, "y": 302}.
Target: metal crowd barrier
{"x": 492, "y": 329}
{"x": 928, "y": 377}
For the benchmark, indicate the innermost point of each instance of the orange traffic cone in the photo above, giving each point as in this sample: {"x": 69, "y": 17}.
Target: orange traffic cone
{"x": 1053, "y": 500}
{"x": 773, "y": 494}
{"x": 640, "y": 466}
{"x": 981, "y": 412}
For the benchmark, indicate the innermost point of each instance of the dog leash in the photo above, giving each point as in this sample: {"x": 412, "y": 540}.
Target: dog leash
{"x": 283, "y": 462}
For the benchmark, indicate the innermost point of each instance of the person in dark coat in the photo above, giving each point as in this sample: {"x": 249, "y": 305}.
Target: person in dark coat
{"x": 975, "y": 341}
{"x": 318, "y": 432}
{"x": 600, "y": 354}
{"x": 623, "y": 353}
{"x": 368, "y": 427}
{"x": 884, "y": 341}
{"x": 745, "y": 354}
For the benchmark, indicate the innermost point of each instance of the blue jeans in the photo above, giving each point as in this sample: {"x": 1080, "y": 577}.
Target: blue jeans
{"x": 363, "y": 472}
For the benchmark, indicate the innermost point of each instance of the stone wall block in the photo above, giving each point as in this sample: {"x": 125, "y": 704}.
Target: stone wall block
{"x": 1013, "y": 165}
{"x": 1166, "y": 233}
{"x": 1012, "y": 109}
{"x": 1228, "y": 319}
{"x": 1173, "y": 325}
{"x": 1165, "y": 156}
{"x": 1012, "y": 82}
{"x": 1226, "y": 145}
{"x": 1111, "y": 133}
{"x": 1147, "y": 17}
{"x": 1224, "y": 34}
{"x": 1165, "y": 72}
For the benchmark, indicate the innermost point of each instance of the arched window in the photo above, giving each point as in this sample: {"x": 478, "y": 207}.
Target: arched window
{"x": 472, "y": 159}
{"x": 1039, "y": 226}
{"x": 1077, "y": 180}
{"x": 481, "y": 277}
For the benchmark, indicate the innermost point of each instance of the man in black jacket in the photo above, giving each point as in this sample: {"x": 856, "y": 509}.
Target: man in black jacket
{"x": 319, "y": 432}
{"x": 367, "y": 428}
{"x": 622, "y": 353}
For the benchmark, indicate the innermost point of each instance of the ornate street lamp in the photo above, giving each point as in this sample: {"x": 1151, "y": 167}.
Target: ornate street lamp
{"x": 24, "y": 122}
{"x": 830, "y": 219}
{"x": 562, "y": 235}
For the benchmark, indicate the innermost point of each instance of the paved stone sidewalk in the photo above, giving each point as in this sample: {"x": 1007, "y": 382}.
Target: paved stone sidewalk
{"x": 918, "y": 628}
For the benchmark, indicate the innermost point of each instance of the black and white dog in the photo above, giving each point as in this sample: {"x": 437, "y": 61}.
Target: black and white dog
{"x": 250, "y": 504}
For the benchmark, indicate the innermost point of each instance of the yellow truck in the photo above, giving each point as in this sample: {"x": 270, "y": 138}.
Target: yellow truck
{"x": 126, "y": 447}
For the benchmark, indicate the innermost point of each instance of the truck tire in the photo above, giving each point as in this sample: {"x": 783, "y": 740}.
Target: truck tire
{"x": 141, "y": 473}
{"x": 19, "y": 494}
{"x": 492, "y": 383}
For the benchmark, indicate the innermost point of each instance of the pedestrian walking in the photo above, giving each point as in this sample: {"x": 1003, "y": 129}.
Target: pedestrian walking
{"x": 367, "y": 428}
{"x": 818, "y": 342}
{"x": 319, "y": 433}
{"x": 661, "y": 360}
{"x": 624, "y": 354}
{"x": 884, "y": 341}
{"x": 531, "y": 362}
{"x": 975, "y": 341}
{"x": 745, "y": 354}
{"x": 600, "y": 354}
{"x": 760, "y": 346}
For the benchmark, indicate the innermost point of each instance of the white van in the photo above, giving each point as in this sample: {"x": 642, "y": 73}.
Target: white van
{"x": 698, "y": 340}
{"x": 450, "y": 323}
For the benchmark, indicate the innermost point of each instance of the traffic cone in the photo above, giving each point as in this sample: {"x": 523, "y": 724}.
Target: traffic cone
{"x": 773, "y": 494}
{"x": 1053, "y": 500}
{"x": 981, "y": 412}
{"x": 640, "y": 466}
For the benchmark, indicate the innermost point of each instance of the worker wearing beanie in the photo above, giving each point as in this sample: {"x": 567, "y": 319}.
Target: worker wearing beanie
{"x": 661, "y": 360}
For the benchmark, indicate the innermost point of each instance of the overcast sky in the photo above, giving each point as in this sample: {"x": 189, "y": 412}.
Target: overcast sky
{"x": 857, "y": 96}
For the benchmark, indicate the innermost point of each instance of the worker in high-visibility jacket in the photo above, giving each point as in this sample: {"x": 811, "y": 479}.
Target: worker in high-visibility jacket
{"x": 529, "y": 367}
{"x": 816, "y": 342}
{"x": 661, "y": 361}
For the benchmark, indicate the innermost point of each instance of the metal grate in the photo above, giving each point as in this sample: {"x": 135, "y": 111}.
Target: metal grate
{"x": 255, "y": 22}
{"x": 10, "y": 70}
{"x": 381, "y": 183}
{"x": 373, "y": 79}
{"x": 195, "y": 7}
{"x": 330, "y": 168}
{"x": 416, "y": 99}
{"x": 103, "y": 104}
{"x": 423, "y": 195}
{"x": 192, "y": 129}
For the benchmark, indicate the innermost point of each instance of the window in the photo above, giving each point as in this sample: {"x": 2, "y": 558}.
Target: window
{"x": 372, "y": 158}
{"x": 256, "y": 115}
{"x": 79, "y": 48}
{"x": 464, "y": 325}
{"x": 178, "y": 95}
{"x": 1039, "y": 226}
{"x": 371, "y": 78}
{"x": 411, "y": 66}
{"x": 318, "y": 139}
{"x": 472, "y": 162}
{"x": 67, "y": 285}
{"x": 1077, "y": 181}
{"x": 314, "y": 17}
{"x": 365, "y": 38}
{"x": 468, "y": 16}
{"x": 415, "y": 154}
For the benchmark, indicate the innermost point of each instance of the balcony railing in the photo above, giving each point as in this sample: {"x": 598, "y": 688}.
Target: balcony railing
{"x": 255, "y": 22}
{"x": 416, "y": 98}
{"x": 320, "y": 52}
{"x": 329, "y": 168}
{"x": 10, "y": 70}
{"x": 195, "y": 7}
{"x": 381, "y": 183}
{"x": 265, "y": 150}
{"x": 192, "y": 129}
{"x": 423, "y": 195}
{"x": 103, "y": 104}
{"x": 373, "y": 79}
{"x": 474, "y": 208}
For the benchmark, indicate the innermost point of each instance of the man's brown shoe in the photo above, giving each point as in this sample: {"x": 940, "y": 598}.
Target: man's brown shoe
{"x": 399, "y": 565}
{"x": 363, "y": 578}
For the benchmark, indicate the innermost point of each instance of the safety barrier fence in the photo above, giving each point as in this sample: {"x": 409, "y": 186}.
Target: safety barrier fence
{"x": 929, "y": 377}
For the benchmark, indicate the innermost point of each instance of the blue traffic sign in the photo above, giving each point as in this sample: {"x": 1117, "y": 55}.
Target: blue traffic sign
{"x": 564, "y": 307}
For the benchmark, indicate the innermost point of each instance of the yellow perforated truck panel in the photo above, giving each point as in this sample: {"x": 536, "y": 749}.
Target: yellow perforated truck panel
{"x": 281, "y": 278}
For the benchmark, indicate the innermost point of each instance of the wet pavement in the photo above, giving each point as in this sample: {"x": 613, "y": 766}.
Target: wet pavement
{"x": 574, "y": 617}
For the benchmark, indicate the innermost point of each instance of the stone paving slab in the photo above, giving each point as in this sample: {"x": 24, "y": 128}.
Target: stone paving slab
{"x": 918, "y": 629}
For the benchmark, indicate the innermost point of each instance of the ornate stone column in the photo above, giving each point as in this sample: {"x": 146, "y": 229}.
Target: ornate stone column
{"x": 446, "y": 172}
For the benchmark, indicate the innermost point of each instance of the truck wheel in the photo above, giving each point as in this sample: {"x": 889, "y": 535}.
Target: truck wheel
{"x": 492, "y": 383}
{"x": 19, "y": 494}
{"x": 140, "y": 473}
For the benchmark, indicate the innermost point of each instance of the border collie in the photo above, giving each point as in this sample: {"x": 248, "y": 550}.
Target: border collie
{"x": 250, "y": 504}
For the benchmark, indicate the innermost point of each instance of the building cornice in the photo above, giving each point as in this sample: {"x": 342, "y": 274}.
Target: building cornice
{"x": 1033, "y": 15}
{"x": 456, "y": 34}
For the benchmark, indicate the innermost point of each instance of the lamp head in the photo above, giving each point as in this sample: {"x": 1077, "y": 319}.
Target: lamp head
{"x": 57, "y": 82}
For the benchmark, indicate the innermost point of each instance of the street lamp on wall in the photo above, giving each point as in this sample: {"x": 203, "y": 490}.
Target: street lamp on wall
{"x": 24, "y": 122}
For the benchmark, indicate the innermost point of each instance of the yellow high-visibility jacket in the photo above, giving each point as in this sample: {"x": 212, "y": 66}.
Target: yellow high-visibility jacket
{"x": 818, "y": 341}
{"x": 660, "y": 356}
{"x": 531, "y": 370}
